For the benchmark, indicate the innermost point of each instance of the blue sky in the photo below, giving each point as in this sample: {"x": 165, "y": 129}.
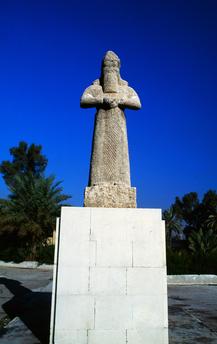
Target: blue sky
{"x": 52, "y": 50}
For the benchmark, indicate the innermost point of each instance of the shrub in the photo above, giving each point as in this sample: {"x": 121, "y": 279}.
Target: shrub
{"x": 184, "y": 263}
{"x": 45, "y": 254}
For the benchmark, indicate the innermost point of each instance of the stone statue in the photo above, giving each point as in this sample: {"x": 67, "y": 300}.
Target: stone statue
{"x": 109, "y": 179}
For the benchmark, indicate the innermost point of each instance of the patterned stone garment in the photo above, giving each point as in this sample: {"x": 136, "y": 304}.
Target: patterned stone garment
{"x": 109, "y": 178}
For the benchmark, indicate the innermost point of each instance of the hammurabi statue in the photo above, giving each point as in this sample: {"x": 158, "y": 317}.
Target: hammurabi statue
{"x": 109, "y": 179}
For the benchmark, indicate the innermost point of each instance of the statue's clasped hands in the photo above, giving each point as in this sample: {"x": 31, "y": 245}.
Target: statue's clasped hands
{"x": 113, "y": 101}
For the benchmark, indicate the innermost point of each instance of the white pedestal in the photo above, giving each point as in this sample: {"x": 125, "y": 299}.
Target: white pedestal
{"x": 111, "y": 285}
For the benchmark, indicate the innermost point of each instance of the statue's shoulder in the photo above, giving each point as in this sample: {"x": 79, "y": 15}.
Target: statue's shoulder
{"x": 94, "y": 89}
{"x": 132, "y": 99}
{"x": 92, "y": 95}
{"x": 131, "y": 91}
{"x": 123, "y": 82}
{"x": 127, "y": 89}
{"x": 96, "y": 83}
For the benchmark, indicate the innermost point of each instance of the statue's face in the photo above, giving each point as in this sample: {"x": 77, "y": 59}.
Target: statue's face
{"x": 111, "y": 76}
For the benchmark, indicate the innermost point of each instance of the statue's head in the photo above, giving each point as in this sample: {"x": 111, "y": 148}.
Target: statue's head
{"x": 110, "y": 76}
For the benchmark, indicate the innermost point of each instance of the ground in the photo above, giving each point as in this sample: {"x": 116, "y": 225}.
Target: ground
{"x": 192, "y": 314}
{"x": 25, "y": 296}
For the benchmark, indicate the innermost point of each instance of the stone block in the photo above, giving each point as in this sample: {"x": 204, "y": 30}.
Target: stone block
{"x": 112, "y": 227}
{"x": 143, "y": 256}
{"x": 114, "y": 254}
{"x": 110, "y": 196}
{"x": 149, "y": 253}
{"x": 106, "y": 337}
{"x": 146, "y": 227}
{"x": 73, "y": 280}
{"x": 126, "y": 224}
{"x": 148, "y": 336}
{"x": 113, "y": 313}
{"x": 149, "y": 311}
{"x": 76, "y": 337}
{"x": 108, "y": 281}
{"x": 75, "y": 224}
{"x": 78, "y": 254}
{"x": 75, "y": 312}
{"x": 146, "y": 281}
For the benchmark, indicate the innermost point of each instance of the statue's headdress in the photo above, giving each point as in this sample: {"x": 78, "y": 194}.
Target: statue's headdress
{"x": 111, "y": 60}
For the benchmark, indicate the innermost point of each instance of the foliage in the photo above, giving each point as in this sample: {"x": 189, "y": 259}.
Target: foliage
{"x": 26, "y": 160}
{"x": 173, "y": 224}
{"x": 198, "y": 220}
{"x": 178, "y": 262}
{"x": 45, "y": 254}
{"x": 9, "y": 253}
{"x": 203, "y": 242}
{"x": 31, "y": 210}
{"x": 28, "y": 215}
{"x": 212, "y": 222}
{"x": 183, "y": 263}
{"x": 194, "y": 213}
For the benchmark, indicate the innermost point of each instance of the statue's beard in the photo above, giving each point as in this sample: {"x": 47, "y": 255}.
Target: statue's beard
{"x": 111, "y": 79}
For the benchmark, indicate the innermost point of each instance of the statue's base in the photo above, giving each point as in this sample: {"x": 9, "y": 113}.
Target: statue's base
{"x": 110, "y": 282}
{"x": 110, "y": 196}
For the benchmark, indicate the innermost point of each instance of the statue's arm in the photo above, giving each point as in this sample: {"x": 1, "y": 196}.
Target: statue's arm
{"x": 130, "y": 100}
{"x": 92, "y": 96}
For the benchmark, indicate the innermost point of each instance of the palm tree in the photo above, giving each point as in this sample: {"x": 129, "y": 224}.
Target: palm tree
{"x": 173, "y": 224}
{"x": 30, "y": 211}
{"x": 212, "y": 222}
{"x": 203, "y": 242}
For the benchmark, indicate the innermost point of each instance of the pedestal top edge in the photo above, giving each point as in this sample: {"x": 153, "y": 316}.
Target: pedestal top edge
{"x": 102, "y": 209}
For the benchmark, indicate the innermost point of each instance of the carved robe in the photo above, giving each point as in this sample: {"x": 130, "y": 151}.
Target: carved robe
{"x": 110, "y": 157}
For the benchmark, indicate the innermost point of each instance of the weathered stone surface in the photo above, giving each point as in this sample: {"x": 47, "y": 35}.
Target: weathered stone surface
{"x": 109, "y": 179}
{"x": 110, "y": 196}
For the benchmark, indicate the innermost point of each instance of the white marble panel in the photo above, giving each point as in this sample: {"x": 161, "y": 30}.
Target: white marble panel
{"x": 114, "y": 254}
{"x": 78, "y": 254}
{"x": 106, "y": 337}
{"x": 74, "y": 312}
{"x": 108, "y": 281}
{"x": 149, "y": 253}
{"x": 71, "y": 337}
{"x": 146, "y": 281}
{"x": 124, "y": 224}
{"x": 73, "y": 280}
{"x": 113, "y": 313}
{"x": 148, "y": 336}
{"x": 148, "y": 311}
{"x": 75, "y": 224}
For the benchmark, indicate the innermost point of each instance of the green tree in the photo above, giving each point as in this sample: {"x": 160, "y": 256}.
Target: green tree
{"x": 25, "y": 160}
{"x": 173, "y": 224}
{"x": 194, "y": 213}
{"x": 203, "y": 242}
{"x": 187, "y": 210}
{"x": 28, "y": 215}
{"x": 30, "y": 211}
{"x": 212, "y": 222}
{"x": 210, "y": 204}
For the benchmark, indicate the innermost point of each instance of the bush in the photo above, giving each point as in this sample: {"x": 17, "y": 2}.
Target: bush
{"x": 12, "y": 254}
{"x": 11, "y": 250}
{"x": 45, "y": 254}
{"x": 184, "y": 263}
{"x": 178, "y": 262}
